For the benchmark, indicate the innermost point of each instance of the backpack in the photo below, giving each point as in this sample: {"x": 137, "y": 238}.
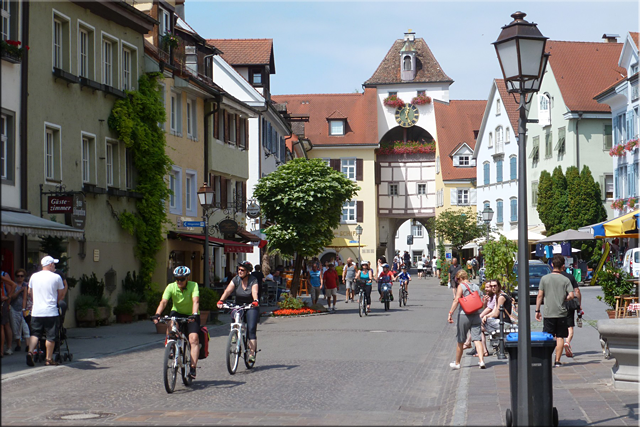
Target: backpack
{"x": 204, "y": 342}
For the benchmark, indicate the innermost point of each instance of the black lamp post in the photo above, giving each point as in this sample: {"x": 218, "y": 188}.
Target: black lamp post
{"x": 206, "y": 197}
{"x": 520, "y": 49}
{"x": 359, "y": 233}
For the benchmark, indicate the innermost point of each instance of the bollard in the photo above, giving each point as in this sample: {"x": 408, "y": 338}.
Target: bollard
{"x": 501, "y": 354}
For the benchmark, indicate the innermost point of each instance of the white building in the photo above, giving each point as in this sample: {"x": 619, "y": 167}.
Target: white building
{"x": 420, "y": 246}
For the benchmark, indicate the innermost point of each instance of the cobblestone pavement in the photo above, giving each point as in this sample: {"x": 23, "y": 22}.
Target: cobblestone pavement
{"x": 336, "y": 369}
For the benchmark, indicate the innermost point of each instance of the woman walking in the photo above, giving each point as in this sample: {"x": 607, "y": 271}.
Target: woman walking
{"x": 466, "y": 321}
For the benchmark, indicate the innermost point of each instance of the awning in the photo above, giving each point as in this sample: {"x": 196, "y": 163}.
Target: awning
{"x": 23, "y": 223}
{"x": 566, "y": 236}
{"x": 247, "y": 235}
{"x": 229, "y": 245}
{"x": 532, "y": 236}
{"x": 341, "y": 242}
{"x": 630, "y": 225}
{"x": 614, "y": 228}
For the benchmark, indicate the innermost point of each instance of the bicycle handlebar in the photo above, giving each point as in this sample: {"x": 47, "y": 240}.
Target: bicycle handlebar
{"x": 236, "y": 306}
{"x": 164, "y": 319}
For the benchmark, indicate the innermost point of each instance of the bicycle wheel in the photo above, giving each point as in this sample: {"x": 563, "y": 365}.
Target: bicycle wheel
{"x": 248, "y": 363}
{"x": 233, "y": 352}
{"x": 362, "y": 306}
{"x": 385, "y": 301}
{"x": 405, "y": 294}
{"x": 400, "y": 297}
{"x": 170, "y": 368}
{"x": 186, "y": 365}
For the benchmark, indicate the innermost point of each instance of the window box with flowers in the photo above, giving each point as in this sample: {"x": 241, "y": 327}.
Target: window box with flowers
{"x": 631, "y": 144}
{"x": 618, "y": 204}
{"x": 409, "y": 147}
{"x": 393, "y": 101}
{"x": 617, "y": 150}
{"x": 169, "y": 41}
{"x": 421, "y": 100}
{"x": 632, "y": 202}
{"x": 11, "y": 51}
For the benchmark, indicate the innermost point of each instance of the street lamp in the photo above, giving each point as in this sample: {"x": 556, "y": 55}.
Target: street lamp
{"x": 206, "y": 197}
{"x": 487, "y": 216}
{"x": 359, "y": 233}
{"x": 520, "y": 49}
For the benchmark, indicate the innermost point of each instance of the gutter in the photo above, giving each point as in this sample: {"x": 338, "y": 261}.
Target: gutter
{"x": 216, "y": 103}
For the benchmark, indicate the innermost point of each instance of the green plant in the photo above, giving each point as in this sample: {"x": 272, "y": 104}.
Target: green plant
{"x": 90, "y": 285}
{"x": 614, "y": 282}
{"x": 135, "y": 284}
{"x": 86, "y": 303}
{"x": 499, "y": 256}
{"x": 125, "y": 307}
{"x": 291, "y": 302}
{"x": 406, "y": 147}
{"x": 208, "y": 299}
{"x": 55, "y": 247}
{"x": 135, "y": 120}
{"x": 459, "y": 227}
{"x": 169, "y": 40}
{"x": 444, "y": 272}
{"x": 12, "y": 48}
{"x": 393, "y": 101}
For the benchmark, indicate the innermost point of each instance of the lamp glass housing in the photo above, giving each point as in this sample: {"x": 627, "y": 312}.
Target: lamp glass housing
{"x": 205, "y": 196}
{"x": 487, "y": 214}
{"x": 358, "y": 230}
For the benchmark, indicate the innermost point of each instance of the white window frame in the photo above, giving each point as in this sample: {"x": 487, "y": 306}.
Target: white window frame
{"x": 5, "y": 14}
{"x": 507, "y": 135}
{"x": 607, "y": 177}
{"x": 190, "y": 195}
{"x": 164, "y": 20}
{"x": 112, "y": 165}
{"x": 58, "y": 46}
{"x": 417, "y": 231}
{"x": 490, "y": 144}
{"x": 498, "y": 109}
{"x": 90, "y": 31}
{"x": 393, "y": 189}
{"x": 499, "y": 141}
{"x": 463, "y": 197}
{"x": 422, "y": 187}
{"x": 4, "y": 146}
{"x": 189, "y": 117}
{"x": 234, "y": 138}
{"x": 348, "y": 167}
{"x": 83, "y": 53}
{"x": 175, "y": 184}
{"x": 126, "y": 68}
{"x": 464, "y": 160}
{"x": 50, "y": 160}
{"x": 107, "y": 62}
{"x": 89, "y": 162}
{"x": 349, "y": 208}
{"x": 175, "y": 111}
{"x": 335, "y": 131}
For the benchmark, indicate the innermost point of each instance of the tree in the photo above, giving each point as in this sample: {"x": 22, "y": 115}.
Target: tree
{"x": 574, "y": 199}
{"x": 459, "y": 227}
{"x": 499, "y": 258}
{"x": 545, "y": 195}
{"x": 558, "y": 201}
{"x": 303, "y": 200}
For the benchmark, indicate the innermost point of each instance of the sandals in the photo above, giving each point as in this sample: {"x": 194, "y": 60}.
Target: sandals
{"x": 50, "y": 362}
{"x": 567, "y": 350}
{"x": 466, "y": 346}
{"x": 30, "y": 359}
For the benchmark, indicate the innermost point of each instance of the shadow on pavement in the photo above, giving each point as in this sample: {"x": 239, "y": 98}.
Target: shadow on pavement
{"x": 578, "y": 422}
{"x": 86, "y": 365}
{"x": 280, "y": 367}
{"x": 200, "y": 385}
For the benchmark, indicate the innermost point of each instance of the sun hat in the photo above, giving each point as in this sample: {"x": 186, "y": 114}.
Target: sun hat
{"x": 48, "y": 260}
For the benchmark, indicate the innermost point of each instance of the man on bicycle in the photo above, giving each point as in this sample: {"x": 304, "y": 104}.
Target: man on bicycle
{"x": 404, "y": 277}
{"x": 185, "y": 298}
{"x": 386, "y": 276}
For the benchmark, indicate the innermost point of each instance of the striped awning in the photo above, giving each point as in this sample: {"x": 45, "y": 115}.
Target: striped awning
{"x": 23, "y": 223}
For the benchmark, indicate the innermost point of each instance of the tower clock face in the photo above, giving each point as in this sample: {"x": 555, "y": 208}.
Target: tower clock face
{"x": 407, "y": 115}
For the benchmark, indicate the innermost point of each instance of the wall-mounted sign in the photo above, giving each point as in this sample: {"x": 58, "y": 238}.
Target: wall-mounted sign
{"x": 60, "y": 204}
{"x": 228, "y": 226}
{"x": 253, "y": 210}
{"x": 79, "y": 212}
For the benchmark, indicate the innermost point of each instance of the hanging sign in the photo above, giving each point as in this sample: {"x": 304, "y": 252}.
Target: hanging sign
{"x": 79, "y": 211}
{"x": 228, "y": 226}
{"x": 253, "y": 210}
{"x": 60, "y": 204}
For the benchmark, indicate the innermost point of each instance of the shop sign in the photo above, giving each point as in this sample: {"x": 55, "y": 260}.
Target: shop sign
{"x": 228, "y": 226}
{"x": 253, "y": 210}
{"x": 79, "y": 212}
{"x": 238, "y": 249}
{"x": 60, "y": 204}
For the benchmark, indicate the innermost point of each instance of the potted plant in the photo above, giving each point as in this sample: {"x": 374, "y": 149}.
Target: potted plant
{"x": 124, "y": 312}
{"x": 11, "y": 50}
{"x": 393, "y": 101}
{"x": 208, "y": 304}
{"x": 614, "y": 282}
{"x": 85, "y": 309}
{"x": 169, "y": 41}
{"x": 421, "y": 100}
{"x": 137, "y": 287}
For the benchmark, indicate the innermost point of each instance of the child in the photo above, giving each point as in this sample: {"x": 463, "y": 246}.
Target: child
{"x": 404, "y": 277}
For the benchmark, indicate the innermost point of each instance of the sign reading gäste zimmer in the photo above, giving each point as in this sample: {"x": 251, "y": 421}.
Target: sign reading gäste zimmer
{"x": 60, "y": 204}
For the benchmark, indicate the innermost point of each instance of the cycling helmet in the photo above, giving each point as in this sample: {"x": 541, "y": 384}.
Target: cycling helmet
{"x": 181, "y": 271}
{"x": 385, "y": 265}
{"x": 246, "y": 265}
{"x": 404, "y": 266}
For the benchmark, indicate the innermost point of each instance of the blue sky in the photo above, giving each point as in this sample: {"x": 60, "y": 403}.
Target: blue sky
{"x": 334, "y": 47}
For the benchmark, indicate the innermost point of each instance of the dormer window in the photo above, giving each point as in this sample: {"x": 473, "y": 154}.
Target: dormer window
{"x": 256, "y": 77}
{"x": 463, "y": 161}
{"x": 406, "y": 63}
{"x": 422, "y": 93}
{"x": 336, "y": 127}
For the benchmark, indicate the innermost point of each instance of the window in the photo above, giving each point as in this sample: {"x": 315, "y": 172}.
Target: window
{"x": 544, "y": 115}
{"x": 57, "y": 44}
{"x": 191, "y": 116}
{"x": 348, "y": 168}
{"x": 111, "y": 154}
{"x": 507, "y": 135}
{"x": 175, "y": 185}
{"x": 165, "y": 21}
{"x": 393, "y": 93}
{"x": 513, "y": 167}
{"x": 406, "y": 63}
{"x": 487, "y": 173}
{"x": 490, "y": 145}
{"x": 232, "y": 131}
{"x": 126, "y": 69}
{"x": 499, "y": 164}
{"x": 349, "y": 211}
{"x": 83, "y": 63}
{"x": 463, "y": 160}
{"x": 497, "y": 107}
{"x": 560, "y": 145}
{"x": 416, "y": 230}
{"x": 422, "y": 189}
{"x": 534, "y": 193}
{"x": 52, "y": 154}
{"x": 548, "y": 144}
{"x": 242, "y": 138}
{"x": 608, "y": 186}
{"x": 190, "y": 193}
{"x": 514, "y": 209}
{"x": 88, "y": 158}
{"x": 463, "y": 196}
{"x": 422, "y": 92}
{"x": 5, "y": 13}
{"x": 256, "y": 77}
{"x": 393, "y": 189}
{"x": 499, "y": 218}
{"x": 6, "y": 148}
{"x": 535, "y": 150}
{"x": 175, "y": 114}
{"x": 128, "y": 168}
{"x": 608, "y": 137}
{"x": 499, "y": 141}
{"x": 336, "y": 127}
{"x": 107, "y": 62}
{"x": 437, "y": 164}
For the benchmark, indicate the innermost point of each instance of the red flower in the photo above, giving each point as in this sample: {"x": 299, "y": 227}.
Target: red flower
{"x": 13, "y": 43}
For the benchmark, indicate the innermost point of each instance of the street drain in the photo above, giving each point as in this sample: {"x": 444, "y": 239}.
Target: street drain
{"x": 82, "y": 416}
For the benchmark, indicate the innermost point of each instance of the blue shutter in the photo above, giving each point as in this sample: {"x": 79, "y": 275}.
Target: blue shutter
{"x": 499, "y": 209}
{"x": 499, "y": 171}
{"x": 514, "y": 210}
{"x": 514, "y": 167}
{"x": 616, "y": 184}
{"x": 487, "y": 179}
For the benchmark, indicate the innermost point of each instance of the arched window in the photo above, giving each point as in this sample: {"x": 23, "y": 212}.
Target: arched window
{"x": 499, "y": 141}
{"x": 513, "y": 167}
{"x": 407, "y": 63}
{"x": 490, "y": 140}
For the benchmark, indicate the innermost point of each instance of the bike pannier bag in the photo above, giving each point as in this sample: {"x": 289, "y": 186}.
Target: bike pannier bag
{"x": 472, "y": 302}
{"x": 204, "y": 343}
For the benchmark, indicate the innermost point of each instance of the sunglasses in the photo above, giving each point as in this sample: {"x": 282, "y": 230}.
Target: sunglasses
{"x": 19, "y": 275}
{"x": 242, "y": 269}
{"x": 181, "y": 279}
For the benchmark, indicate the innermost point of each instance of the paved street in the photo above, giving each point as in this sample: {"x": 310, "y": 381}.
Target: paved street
{"x": 333, "y": 369}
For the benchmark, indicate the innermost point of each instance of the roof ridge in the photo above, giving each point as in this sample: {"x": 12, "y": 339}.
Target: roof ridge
{"x": 584, "y": 42}
{"x": 320, "y": 94}
{"x": 243, "y": 39}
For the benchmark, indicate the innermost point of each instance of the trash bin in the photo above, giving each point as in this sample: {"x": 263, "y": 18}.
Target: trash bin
{"x": 542, "y": 347}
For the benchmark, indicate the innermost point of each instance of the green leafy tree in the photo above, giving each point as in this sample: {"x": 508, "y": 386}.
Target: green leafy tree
{"x": 559, "y": 201}
{"x": 545, "y": 196}
{"x": 303, "y": 199}
{"x": 499, "y": 258}
{"x": 574, "y": 199}
{"x": 459, "y": 227}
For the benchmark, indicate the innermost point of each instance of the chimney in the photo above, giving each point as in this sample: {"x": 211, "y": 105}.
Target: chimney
{"x": 180, "y": 9}
{"x": 409, "y": 35}
{"x": 610, "y": 38}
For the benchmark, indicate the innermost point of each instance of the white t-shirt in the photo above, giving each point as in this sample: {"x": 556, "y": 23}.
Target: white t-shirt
{"x": 45, "y": 285}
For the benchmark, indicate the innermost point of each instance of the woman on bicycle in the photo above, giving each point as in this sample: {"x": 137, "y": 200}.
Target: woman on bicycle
{"x": 185, "y": 298}
{"x": 246, "y": 290}
{"x": 365, "y": 277}
{"x": 386, "y": 276}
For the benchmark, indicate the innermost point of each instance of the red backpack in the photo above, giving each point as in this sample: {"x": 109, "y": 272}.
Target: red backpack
{"x": 204, "y": 343}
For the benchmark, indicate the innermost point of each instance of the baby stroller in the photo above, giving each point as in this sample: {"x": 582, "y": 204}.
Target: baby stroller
{"x": 40, "y": 353}
{"x": 428, "y": 270}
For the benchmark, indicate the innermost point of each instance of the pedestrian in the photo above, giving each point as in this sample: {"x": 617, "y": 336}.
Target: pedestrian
{"x": 381, "y": 261}
{"x": 572, "y": 307}
{"x": 554, "y": 290}
{"x": 257, "y": 273}
{"x": 420, "y": 267}
{"x": 8, "y": 287}
{"x": 407, "y": 259}
{"x": 19, "y": 310}
{"x": 435, "y": 265}
{"x": 453, "y": 269}
{"x": 315, "y": 279}
{"x": 349, "y": 278}
{"x": 330, "y": 281}
{"x": 474, "y": 267}
{"x": 339, "y": 269}
{"x": 395, "y": 265}
{"x": 47, "y": 290}
{"x": 467, "y": 322}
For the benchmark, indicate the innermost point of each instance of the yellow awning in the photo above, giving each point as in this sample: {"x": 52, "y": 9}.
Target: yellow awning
{"x": 615, "y": 227}
{"x": 341, "y": 242}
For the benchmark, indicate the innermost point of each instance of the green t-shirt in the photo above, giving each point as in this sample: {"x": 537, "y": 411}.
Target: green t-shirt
{"x": 556, "y": 287}
{"x": 438, "y": 263}
{"x": 182, "y": 300}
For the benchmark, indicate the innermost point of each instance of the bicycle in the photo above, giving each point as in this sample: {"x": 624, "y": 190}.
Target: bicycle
{"x": 402, "y": 297}
{"x": 362, "y": 299}
{"x": 177, "y": 354}
{"x": 237, "y": 342}
{"x": 386, "y": 295}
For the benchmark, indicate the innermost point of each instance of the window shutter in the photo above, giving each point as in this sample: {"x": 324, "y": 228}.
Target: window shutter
{"x": 212, "y": 180}
{"x": 454, "y": 197}
{"x": 237, "y": 129}
{"x": 223, "y": 192}
{"x": 359, "y": 211}
{"x": 246, "y": 134}
{"x": 359, "y": 171}
{"x": 216, "y": 125}
{"x": 472, "y": 196}
{"x": 335, "y": 164}
{"x": 603, "y": 190}
{"x": 378, "y": 174}
{"x": 225, "y": 120}
{"x": 455, "y": 161}
{"x": 244, "y": 196}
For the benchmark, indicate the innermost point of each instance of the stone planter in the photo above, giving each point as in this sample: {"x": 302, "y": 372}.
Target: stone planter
{"x": 204, "y": 316}
{"x": 87, "y": 318}
{"x": 140, "y": 310}
{"x": 621, "y": 336}
{"x": 102, "y": 314}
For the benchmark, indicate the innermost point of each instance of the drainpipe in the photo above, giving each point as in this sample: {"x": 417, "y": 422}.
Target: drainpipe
{"x": 24, "y": 89}
{"x": 578, "y": 140}
{"x": 216, "y": 107}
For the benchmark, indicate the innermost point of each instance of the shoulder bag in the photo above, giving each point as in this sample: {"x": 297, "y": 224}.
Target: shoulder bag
{"x": 472, "y": 302}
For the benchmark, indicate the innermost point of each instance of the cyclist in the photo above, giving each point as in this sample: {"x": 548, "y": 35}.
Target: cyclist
{"x": 386, "y": 276}
{"x": 404, "y": 277}
{"x": 185, "y": 298}
{"x": 246, "y": 290}
{"x": 365, "y": 277}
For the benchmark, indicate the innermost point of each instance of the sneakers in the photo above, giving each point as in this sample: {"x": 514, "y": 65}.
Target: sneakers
{"x": 346, "y": 302}
{"x": 334, "y": 308}
{"x": 192, "y": 373}
{"x": 482, "y": 365}
{"x": 252, "y": 358}
{"x": 557, "y": 365}
{"x": 454, "y": 365}
{"x": 9, "y": 352}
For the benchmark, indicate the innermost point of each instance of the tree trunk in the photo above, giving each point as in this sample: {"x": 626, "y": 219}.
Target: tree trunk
{"x": 266, "y": 264}
{"x": 295, "y": 282}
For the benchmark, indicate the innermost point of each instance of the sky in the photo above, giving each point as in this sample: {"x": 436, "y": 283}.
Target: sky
{"x": 334, "y": 47}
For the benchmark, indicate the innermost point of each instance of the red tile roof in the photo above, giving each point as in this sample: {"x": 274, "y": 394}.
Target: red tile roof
{"x": 246, "y": 51}
{"x": 429, "y": 69}
{"x": 455, "y": 123}
{"x": 636, "y": 38}
{"x": 510, "y": 104}
{"x": 358, "y": 109}
{"x": 583, "y": 69}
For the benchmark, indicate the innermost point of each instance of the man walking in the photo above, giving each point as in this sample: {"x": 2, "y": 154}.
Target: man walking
{"x": 46, "y": 289}
{"x": 435, "y": 264}
{"x": 554, "y": 290}
{"x": 315, "y": 279}
{"x": 407, "y": 259}
{"x": 330, "y": 281}
{"x": 453, "y": 269}
{"x": 349, "y": 278}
